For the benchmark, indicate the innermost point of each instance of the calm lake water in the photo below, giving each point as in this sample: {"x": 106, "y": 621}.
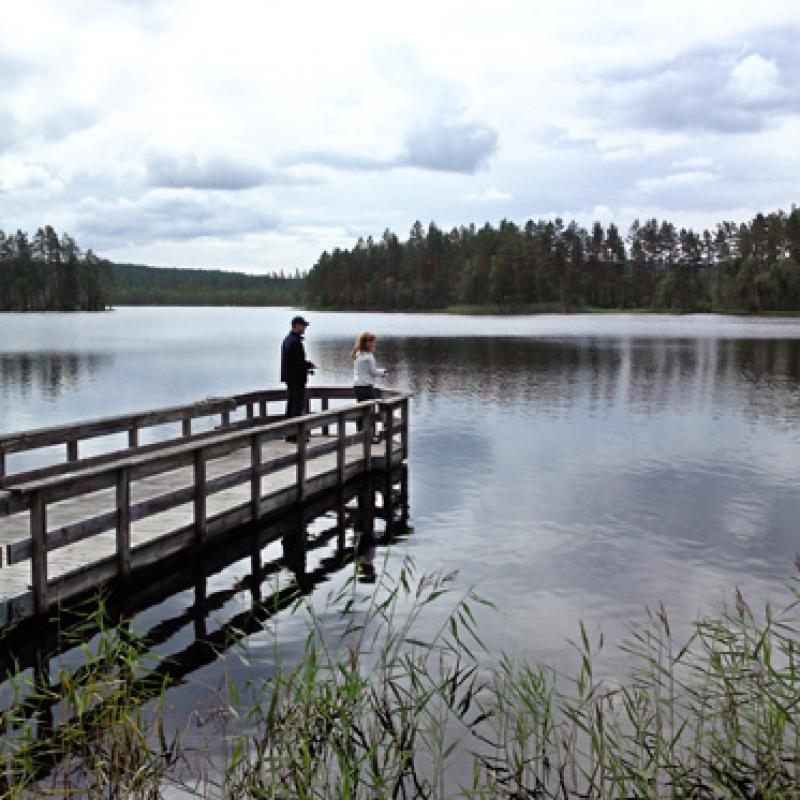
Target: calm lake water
{"x": 574, "y": 467}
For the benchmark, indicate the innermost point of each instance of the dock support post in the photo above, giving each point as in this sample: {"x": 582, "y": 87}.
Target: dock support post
{"x": 255, "y": 476}
{"x": 39, "y": 553}
{"x": 341, "y": 446}
{"x": 123, "y": 523}
{"x": 200, "y": 496}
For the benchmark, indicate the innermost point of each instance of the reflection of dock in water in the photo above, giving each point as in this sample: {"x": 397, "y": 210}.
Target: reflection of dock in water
{"x": 68, "y": 528}
{"x": 350, "y": 523}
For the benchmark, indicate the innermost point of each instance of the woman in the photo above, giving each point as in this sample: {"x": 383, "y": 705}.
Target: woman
{"x": 365, "y": 370}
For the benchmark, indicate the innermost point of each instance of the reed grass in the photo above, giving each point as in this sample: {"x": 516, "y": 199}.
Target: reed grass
{"x": 377, "y": 712}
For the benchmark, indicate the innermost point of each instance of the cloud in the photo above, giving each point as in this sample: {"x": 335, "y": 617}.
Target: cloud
{"x": 678, "y": 180}
{"x": 755, "y": 78}
{"x": 439, "y": 146}
{"x": 169, "y": 215}
{"x": 20, "y": 176}
{"x": 217, "y": 172}
{"x": 490, "y": 195}
{"x": 720, "y": 89}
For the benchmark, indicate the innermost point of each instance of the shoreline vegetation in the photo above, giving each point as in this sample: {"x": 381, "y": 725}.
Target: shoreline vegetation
{"x": 376, "y": 711}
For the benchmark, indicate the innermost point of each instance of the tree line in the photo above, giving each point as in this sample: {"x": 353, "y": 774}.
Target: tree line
{"x": 746, "y": 267}
{"x": 48, "y": 272}
{"x": 136, "y": 284}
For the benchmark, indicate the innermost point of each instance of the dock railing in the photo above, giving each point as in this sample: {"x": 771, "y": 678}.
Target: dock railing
{"x": 35, "y": 490}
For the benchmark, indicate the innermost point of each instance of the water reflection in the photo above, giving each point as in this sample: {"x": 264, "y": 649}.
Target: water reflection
{"x": 48, "y": 374}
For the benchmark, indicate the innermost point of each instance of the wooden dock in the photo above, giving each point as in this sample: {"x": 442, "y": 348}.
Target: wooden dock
{"x": 69, "y": 528}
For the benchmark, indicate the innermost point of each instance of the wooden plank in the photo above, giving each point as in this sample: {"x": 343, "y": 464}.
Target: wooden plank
{"x": 123, "y": 523}
{"x": 62, "y": 537}
{"x": 38, "y": 524}
{"x": 368, "y": 415}
{"x": 200, "y": 495}
{"x": 301, "y": 461}
{"x": 341, "y": 445}
{"x": 388, "y": 423}
{"x": 404, "y": 428}
{"x": 255, "y": 475}
{"x": 325, "y": 406}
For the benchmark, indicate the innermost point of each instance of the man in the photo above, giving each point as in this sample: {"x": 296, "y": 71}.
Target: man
{"x": 295, "y": 369}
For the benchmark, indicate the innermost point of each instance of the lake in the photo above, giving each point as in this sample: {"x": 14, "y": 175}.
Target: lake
{"x": 573, "y": 467}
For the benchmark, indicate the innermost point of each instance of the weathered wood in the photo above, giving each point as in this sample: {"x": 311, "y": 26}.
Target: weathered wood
{"x": 325, "y": 404}
{"x": 2, "y": 463}
{"x": 225, "y": 418}
{"x": 133, "y": 436}
{"x": 341, "y": 444}
{"x": 123, "y": 523}
{"x": 250, "y": 411}
{"x": 63, "y": 537}
{"x": 388, "y": 432}
{"x": 72, "y": 450}
{"x": 368, "y": 421}
{"x": 255, "y": 475}
{"x": 244, "y": 462}
{"x": 405, "y": 422}
{"x": 301, "y": 460}
{"x": 200, "y": 521}
{"x": 186, "y": 427}
{"x": 39, "y": 553}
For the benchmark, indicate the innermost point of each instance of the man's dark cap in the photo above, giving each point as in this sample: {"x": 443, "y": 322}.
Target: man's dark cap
{"x": 300, "y": 321}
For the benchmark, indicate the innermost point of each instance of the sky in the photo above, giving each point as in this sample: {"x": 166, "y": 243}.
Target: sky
{"x": 255, "y": 135}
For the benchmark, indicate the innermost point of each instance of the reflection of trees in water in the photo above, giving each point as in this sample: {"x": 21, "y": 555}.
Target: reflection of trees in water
{"x": 50, "y": 374}
{"x": 760, "y": 376}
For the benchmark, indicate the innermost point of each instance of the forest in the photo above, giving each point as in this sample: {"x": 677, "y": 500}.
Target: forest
{"x": 48, "y": 272}
{"x": 134, "y": 284}
{"x": 747, "y": 267}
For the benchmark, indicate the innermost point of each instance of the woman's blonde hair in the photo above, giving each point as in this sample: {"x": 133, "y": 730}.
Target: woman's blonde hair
{"x": 361, "y": 343}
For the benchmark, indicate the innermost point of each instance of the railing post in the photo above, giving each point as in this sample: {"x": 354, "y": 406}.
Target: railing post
{"x": 186, "y": 426}
{"x": 123, "y": 523}
{"x": 39, "y": 553}
{"x": 250, "y": 411}
{"x": 368, "y": 413}
{"x": 325, "y": 405}
{"x": 255, "y": 476}
{"x": 200, "y": 495}
{"x": 2, "y": 463}
{"x": 301, "y": 460}
{"x": 262, "y": 408}
{"x": 225, "y": 418}
{"x": 404, "y": 428}
{"x": 133, "y": 436}
{"x": 341, "y": 446}
{"x": 388, "y": 432}
{"x": 72, "y": 450}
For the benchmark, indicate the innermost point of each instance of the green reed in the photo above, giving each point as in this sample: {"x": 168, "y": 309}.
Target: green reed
{"x": 375, "y": 711}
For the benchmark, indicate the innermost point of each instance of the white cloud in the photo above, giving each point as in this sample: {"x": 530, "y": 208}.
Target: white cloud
{"x": 755, "y": 78}
{"x": 489, "y": 195}
{"x": 683, "y": 180}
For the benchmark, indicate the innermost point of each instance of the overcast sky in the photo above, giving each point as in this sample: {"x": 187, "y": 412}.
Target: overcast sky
{"x": 255, "y": 134}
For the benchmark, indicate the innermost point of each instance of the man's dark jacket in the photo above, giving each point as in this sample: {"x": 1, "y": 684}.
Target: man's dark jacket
{"x": 294, "y": 367}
